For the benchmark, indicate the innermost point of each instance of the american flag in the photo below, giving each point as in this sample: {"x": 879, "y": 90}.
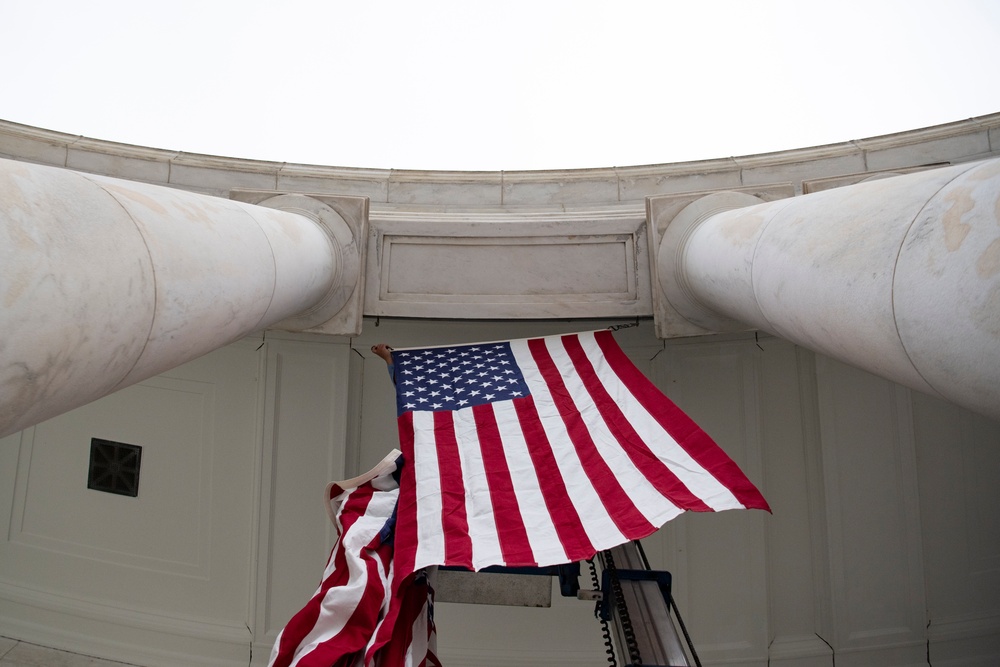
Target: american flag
{"x": 544, "y": 451}
{"x": 362, "y": 615}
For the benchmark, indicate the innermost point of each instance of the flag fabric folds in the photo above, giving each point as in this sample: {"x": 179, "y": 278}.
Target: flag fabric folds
{"x": 362, "y": 615}
{"x": 544, "y": 451}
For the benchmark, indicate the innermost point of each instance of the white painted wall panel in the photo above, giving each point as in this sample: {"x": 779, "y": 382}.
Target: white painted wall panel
{"x": 304, "y": 445}
{"x": 958, "y": 463}
{"x": 164, "y": 571}
{"x": 876, "y": 569}
{"x": 717, "y": 559}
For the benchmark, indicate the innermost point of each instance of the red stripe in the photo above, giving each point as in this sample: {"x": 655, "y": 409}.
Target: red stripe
{"x": 302, "y": 623}
{"x": 561, "y": 509}
{"x": 386, "y": 627}
{"x": 454, "y": 521}
{"x": 682, "y": 428}
{"x": 405, "y": 540}
{"x": 619, "y": 506}
{"x": 344, "y": 647}
{"x": 514, "y": 545}
{"x": 652, "y": 468}
{"x": 412, "y": 605}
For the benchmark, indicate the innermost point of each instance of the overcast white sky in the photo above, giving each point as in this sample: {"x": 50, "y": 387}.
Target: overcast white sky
{"x": 489, "y": 85}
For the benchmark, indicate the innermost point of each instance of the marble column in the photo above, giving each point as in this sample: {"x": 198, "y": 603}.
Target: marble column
{"x": 899, "y": 276}
{"x": 106, "y": 282}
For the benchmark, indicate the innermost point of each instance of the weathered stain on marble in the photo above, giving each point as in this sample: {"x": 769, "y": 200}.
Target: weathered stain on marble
{"x": 134, "y": 195}
{"x": 16, "y": 285}
{"x": 955, "y": 230}
{"x": 176, "y": 204}
{"x": 988, "y": 264}
{"x": 26, "y": 387}
{"x": 989, "y": 322}
{"x": 740, "y": 230}
{"x": 985, "y": 171}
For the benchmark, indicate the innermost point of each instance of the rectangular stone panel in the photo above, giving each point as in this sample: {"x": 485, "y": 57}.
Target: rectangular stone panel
{"x": 515, "y": 271}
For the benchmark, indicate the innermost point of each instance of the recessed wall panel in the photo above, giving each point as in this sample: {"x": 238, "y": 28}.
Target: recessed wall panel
{"x": 869, "y": 466}
{"x": 159, "y": 578}
{"x": 166, "y": 526}
{"x": 508, "y": 266}
{"x": 718, "y": 556}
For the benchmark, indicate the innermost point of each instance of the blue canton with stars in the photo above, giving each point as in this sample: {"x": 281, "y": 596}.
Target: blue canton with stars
{"x": 453, "y": 378}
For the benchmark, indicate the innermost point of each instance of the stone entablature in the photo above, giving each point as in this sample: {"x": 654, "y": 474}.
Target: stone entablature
{"x": 963, "y": 141}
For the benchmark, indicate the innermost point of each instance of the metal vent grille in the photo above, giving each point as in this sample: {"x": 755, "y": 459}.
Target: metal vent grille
{"x": 114, "y": 467}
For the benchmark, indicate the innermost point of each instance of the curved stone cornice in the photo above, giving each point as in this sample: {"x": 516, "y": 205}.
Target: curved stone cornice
{"x": 961, "y": 141}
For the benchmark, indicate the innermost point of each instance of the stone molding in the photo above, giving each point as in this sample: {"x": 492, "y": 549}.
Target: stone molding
{"x": 671, "y": 220}
{"x": 971, "y": 139}
{"x": 345, "y": 222}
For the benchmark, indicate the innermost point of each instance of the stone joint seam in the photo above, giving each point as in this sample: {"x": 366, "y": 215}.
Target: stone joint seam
{"x": 895, "y": 263}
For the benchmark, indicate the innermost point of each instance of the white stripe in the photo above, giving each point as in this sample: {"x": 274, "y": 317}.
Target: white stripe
{"x": 542, "y": 536}
{"x": 598, "y": 525}
{"x": 698, "y": 480}
{"x": 478, "y": 502}
{"x": 644, "y": 496}
{"x": 430, "y": 534}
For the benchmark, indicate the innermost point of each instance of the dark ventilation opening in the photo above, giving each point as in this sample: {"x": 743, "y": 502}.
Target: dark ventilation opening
{"x": 114, "y": 467}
